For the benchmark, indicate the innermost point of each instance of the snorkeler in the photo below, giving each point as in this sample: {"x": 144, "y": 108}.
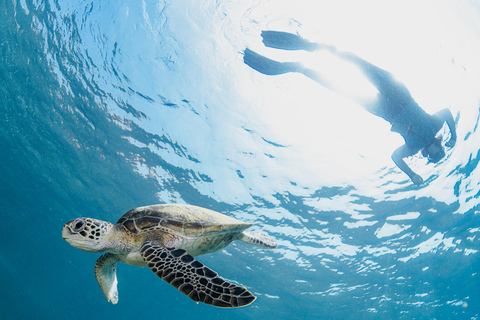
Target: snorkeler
{"x": 393, "y": 101}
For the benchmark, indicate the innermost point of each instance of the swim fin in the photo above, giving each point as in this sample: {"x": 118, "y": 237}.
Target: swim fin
{"x": 287, "y": 41}
{"x": 268, "y": 66}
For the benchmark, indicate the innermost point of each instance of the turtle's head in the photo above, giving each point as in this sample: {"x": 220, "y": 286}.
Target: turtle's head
{"x": 87, "y": 234}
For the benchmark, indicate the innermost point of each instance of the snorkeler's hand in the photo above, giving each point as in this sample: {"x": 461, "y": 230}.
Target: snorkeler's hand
{"x": 451, "y": 142}
{"x": 417, "y": 179}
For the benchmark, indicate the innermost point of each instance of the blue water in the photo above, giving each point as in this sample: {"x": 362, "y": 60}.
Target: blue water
{"x": 111, "y": 105}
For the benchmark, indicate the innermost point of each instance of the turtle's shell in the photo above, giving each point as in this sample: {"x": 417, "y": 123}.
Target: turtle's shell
{"x": 188, "y": 220}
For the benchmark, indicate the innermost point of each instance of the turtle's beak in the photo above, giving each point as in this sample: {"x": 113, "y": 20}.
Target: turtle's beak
{"x": 69, "y": 236}
{"x": 66, "y": 231}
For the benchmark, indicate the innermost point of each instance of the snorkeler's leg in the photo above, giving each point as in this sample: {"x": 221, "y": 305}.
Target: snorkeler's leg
{"x": 287, "y": 41}
{"x": 271, "y": 67}
{"x": 290, "y": 41}
{"x": 268, "y": 66}
{"x": 378, "y": 77}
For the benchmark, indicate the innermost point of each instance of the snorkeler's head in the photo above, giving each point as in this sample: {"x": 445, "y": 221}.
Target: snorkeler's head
{"x": 434, "y": 151}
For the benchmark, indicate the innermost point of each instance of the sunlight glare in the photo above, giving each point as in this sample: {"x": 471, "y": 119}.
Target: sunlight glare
{"x": 345, "y": 77}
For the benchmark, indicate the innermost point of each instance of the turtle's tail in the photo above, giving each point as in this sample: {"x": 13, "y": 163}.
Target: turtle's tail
{"x": 258, "y": 239}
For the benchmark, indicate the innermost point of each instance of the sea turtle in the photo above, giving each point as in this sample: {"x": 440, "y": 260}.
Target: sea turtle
{"x": 166, "y": 238}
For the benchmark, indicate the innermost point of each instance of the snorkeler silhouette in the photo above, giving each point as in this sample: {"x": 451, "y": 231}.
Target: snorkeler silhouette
{"x": 393, "y": 101}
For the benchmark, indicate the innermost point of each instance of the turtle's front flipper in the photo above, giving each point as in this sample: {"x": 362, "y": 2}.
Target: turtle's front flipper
{"x": 258, "y": 239}
{"x": 192, "y": 278}
{"x": 105, "y": 271}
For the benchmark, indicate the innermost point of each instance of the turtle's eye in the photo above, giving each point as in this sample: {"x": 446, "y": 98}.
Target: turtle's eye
{"x": 78, "y": 225}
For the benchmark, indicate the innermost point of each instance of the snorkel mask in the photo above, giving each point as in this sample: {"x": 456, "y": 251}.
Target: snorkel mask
{"x": 435, "y": 151}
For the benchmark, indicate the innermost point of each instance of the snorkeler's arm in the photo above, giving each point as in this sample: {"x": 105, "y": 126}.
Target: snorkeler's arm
{"x": 397, "y": 157}
{"x": 446, "y": 116}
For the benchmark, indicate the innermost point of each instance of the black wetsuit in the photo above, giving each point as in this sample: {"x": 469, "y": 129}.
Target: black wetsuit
{"x": 396, "y": 105}
{"x": 417, "y": 127}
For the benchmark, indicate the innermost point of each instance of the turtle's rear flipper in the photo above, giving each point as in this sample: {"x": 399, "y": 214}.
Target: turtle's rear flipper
{"x": 258, "y": 239}
{"x": 192, "y": 278}
{"x": 106, "y": 273}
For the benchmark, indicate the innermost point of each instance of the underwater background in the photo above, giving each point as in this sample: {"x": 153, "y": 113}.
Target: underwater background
{"x": 111, "y": 105}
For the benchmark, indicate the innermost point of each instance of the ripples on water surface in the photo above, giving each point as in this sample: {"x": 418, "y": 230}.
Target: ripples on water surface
{"x": 109, "y": 105}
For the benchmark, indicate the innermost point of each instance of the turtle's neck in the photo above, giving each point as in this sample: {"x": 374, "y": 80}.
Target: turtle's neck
{"x": 117, "y": 240}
